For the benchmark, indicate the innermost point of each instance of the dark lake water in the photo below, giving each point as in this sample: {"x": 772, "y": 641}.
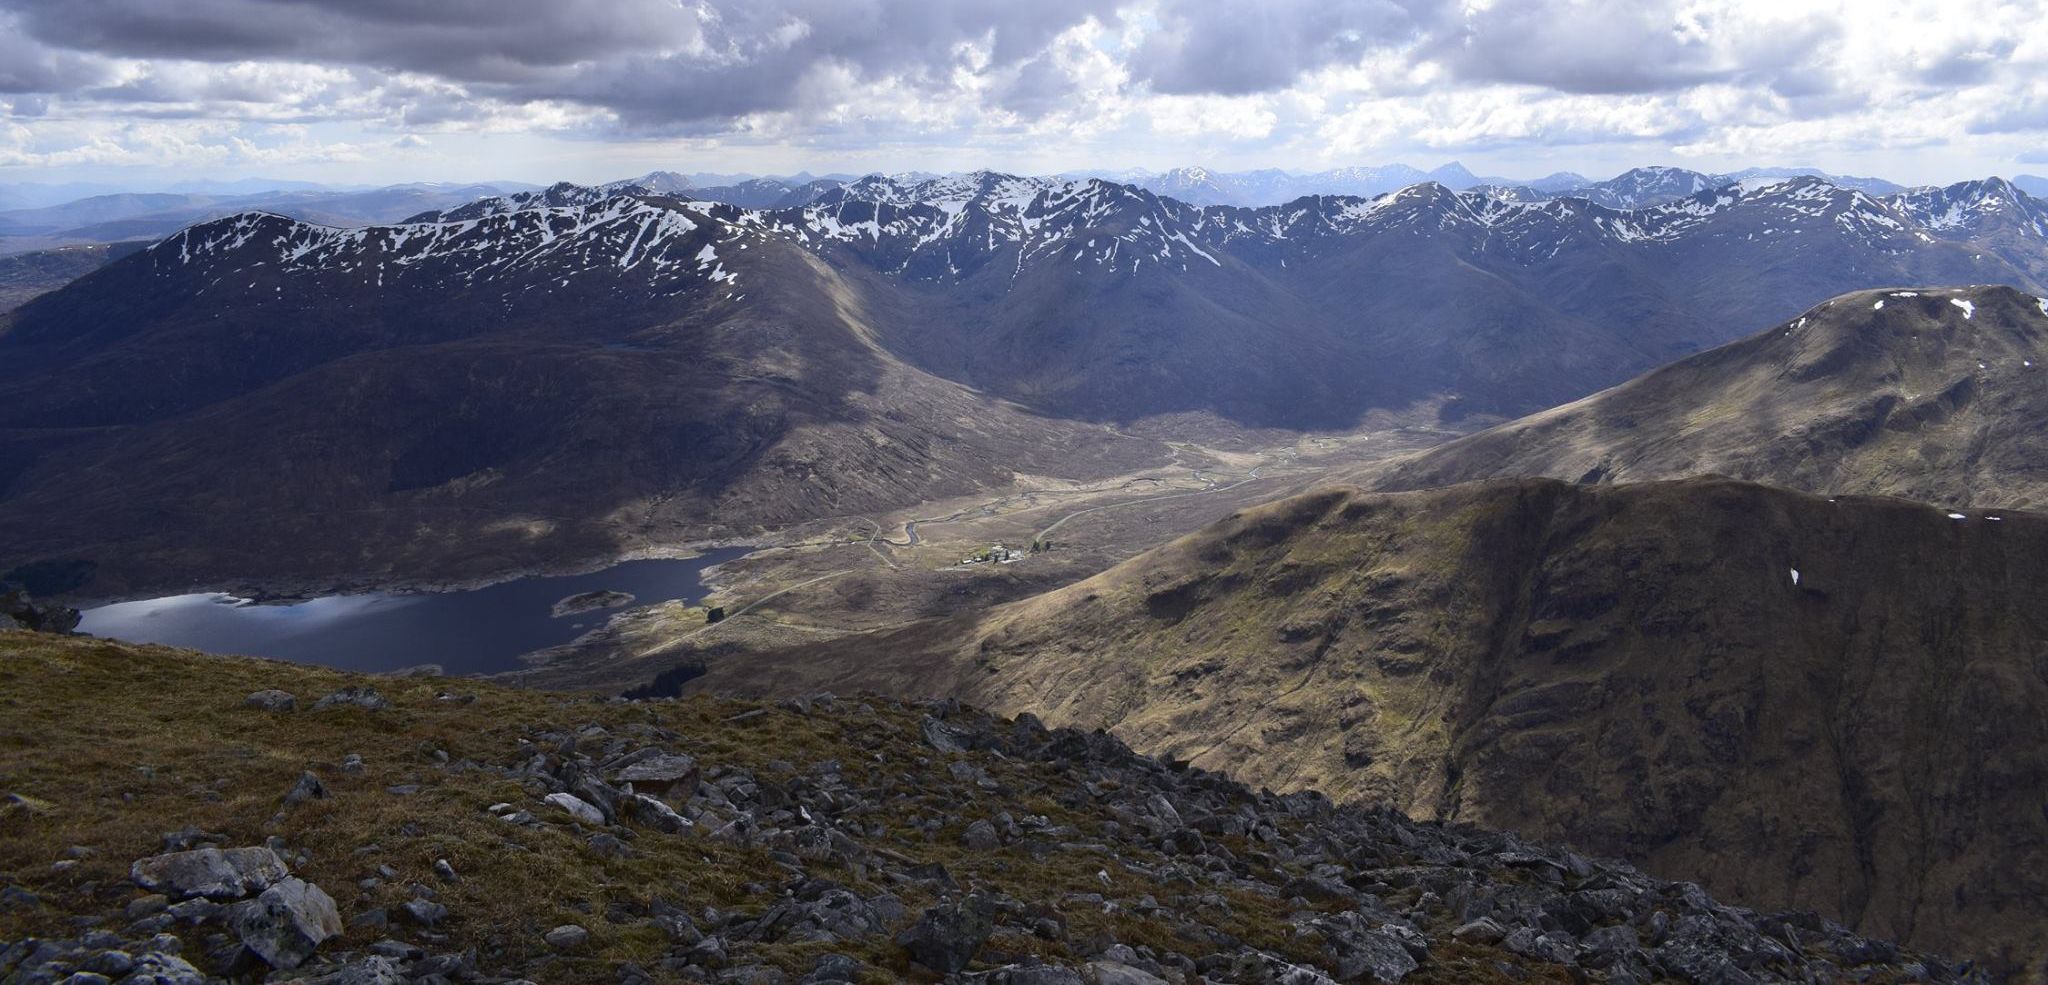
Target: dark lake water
{"x": 480, "y": 631}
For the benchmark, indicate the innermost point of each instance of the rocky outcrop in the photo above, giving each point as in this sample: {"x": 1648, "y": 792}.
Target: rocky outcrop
{"x": 360, "y": 696}
{"x": 18, "y": 611}
{"x": 271, "y": 699}
{"x": 1373, "y": 894}
{"x": 263, "y": 917}
{"x": 826, "y": 840}
{"x": 286, "y": 923}
{"x": 210, "y": 872}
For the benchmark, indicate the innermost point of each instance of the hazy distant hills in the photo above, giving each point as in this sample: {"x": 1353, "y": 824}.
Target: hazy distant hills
{"x": 1632, "y": 189}
{"x": 1202, "y": 186}
{"x": 1934, "y": 395}
{"x": 562, "y": 371}
{"x": 117, "y": 217}
{"x": 24, "y": 276}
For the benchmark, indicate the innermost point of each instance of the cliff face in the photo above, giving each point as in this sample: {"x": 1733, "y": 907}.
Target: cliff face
{"x": 1832, "y": 704}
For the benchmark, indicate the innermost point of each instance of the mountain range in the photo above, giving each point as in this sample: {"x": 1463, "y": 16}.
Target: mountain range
{"x": 38, "y": 217}
{"x": 1767, "y": 615}
{"x": 1635, "y": 188}
{"x": 567, "y": 371}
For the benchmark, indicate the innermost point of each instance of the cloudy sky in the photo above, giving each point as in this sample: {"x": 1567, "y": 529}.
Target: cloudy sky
{"x": 386, "y": 90}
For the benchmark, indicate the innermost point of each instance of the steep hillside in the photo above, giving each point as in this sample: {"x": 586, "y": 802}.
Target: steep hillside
{"x": 1833, "y": 704}
{"x": 159, "y": 826}
{"x": 457, "y": 398}
{"x": 1939, "y": 395}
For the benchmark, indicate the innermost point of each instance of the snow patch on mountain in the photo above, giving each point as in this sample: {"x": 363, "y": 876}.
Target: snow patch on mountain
{"x": 664, "y": 243}
{"x": 955, "y": 227}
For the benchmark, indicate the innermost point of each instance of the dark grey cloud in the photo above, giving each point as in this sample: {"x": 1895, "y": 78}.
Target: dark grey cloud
{"x": 761, "y": 55}
{"x": 1039, "y": 86}
{"x": 1600, "y": 47}
{"x": 691, "y": 67}
{"x": 1233, "y": 47}
{"x": 653, "y": 62}
{"x": 473, "y": 40}
{"x": 1610, "y": 47}
{"x": 29, "y": 67}
{"x": 2017, "y": 116}
{"x": 1966, "y": 64}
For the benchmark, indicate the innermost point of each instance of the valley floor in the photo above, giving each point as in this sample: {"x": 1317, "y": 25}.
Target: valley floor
{"x": 857, "y": 574}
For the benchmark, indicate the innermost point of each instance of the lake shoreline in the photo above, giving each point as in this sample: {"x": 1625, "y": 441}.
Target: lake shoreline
{"x": 286, "y": 591}
{"x": 483, "y": 630}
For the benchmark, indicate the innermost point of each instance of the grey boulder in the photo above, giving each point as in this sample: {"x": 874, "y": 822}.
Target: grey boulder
{"x": 365, "y": 698}
{"x": 566, "y": 937}
{"x": 948, "y": 936}
{"x": 675, "y": 774}
{"x": 156, "y": 968}
{"x": 1118, "y": 973}
{"x": 307, "y": 788}
{"x": 981, "y": 836}
{"x": 578, "y": 808}
{"x": 287, "y": 923}
{"x": 272, "y": 699}
{"x": 210, "y": 872}
{"x": 374, "y": 969}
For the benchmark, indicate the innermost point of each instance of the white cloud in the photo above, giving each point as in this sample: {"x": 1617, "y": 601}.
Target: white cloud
{"x": 909, "y": 83}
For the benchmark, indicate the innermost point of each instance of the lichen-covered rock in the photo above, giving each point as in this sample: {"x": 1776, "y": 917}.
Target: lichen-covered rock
{"x": 577, "y": 807}
{"x": 364, "y": 697}
{"x": 272, "y": 699}
{"x": 1118, "y": 973}
{"x": 21, "y": 612}
{"x": 673, "y": 775}
{"x": 372, "y": 969}
{"x": 949, "y": 935}
{"x": 210, "y": 872}
{"x": 566, "y": 937}
{"x": 285, "y": 924}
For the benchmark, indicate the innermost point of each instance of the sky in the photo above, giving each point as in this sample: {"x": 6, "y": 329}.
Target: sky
{"x": 137, "y": 92}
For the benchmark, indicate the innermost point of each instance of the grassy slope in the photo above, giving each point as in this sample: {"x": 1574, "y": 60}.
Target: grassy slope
{"x": 1910, "y": 399}
{"x": 1627, "y": 668}
{"x": 115, "y": 745}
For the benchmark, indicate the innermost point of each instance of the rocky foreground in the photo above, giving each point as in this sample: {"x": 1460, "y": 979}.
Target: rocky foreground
{"x": 177, "y": 818}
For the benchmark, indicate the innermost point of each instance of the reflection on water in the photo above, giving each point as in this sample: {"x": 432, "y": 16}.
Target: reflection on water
{"x": 473, "y": 632}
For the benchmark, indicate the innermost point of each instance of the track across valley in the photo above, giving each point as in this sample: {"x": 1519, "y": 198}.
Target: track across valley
{"x": 741, "y": 611}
